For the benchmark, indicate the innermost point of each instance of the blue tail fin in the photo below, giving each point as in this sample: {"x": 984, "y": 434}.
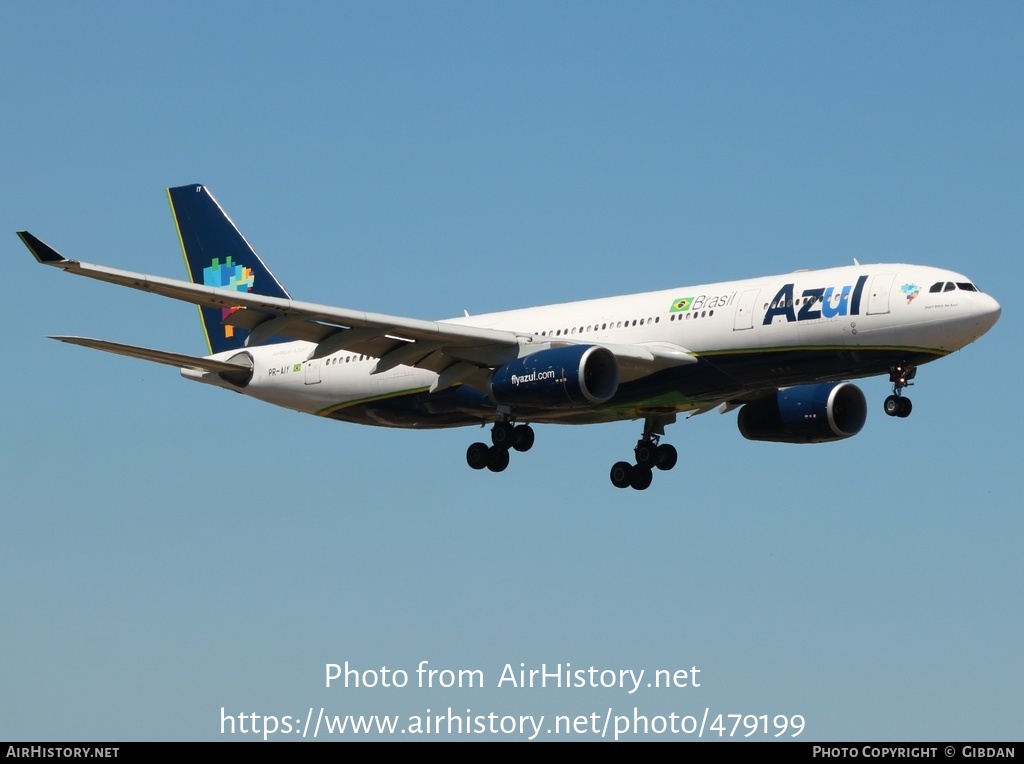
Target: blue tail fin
{"x": 218, "y": 255}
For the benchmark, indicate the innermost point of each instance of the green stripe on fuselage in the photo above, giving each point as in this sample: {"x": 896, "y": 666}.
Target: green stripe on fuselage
{"x": 370, "y": 399}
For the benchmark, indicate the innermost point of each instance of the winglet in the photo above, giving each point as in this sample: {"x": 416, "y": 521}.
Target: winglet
{"x": 42, "y": 251}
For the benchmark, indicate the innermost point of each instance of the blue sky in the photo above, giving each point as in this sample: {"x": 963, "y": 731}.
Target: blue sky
{"x": 169, "y": 549}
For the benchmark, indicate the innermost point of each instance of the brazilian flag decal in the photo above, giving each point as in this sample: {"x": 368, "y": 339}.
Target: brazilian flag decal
{"x": 683, "y": 303}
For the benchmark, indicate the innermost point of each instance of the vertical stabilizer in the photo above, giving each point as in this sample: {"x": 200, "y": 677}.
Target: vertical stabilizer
{"x": 218, "y": 255}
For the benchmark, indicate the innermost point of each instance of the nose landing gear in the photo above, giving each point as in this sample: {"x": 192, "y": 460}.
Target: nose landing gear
{"x": 900, "y": 376}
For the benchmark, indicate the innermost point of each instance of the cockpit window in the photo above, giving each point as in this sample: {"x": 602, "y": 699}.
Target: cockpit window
{"x": 949, "y": 286}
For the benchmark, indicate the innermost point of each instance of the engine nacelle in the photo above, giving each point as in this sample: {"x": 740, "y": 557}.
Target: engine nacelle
{"x": 806, "y": 414}
{"x": 574, "y": 375}
{"x": 243, "y": 376}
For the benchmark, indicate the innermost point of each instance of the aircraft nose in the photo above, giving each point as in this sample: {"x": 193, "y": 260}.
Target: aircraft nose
{"x": 992, "y": 309}
{"x": 987, "y": 312}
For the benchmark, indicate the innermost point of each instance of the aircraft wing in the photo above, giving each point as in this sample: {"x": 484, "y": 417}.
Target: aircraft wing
{"x": 454, "y": 351}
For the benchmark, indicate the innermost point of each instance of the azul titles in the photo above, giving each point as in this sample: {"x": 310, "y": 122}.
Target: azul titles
{"x": 816, "y": 303}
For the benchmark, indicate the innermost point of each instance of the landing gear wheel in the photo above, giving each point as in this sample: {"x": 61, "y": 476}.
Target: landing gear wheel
{"x": 646, "y": 453}
{"x": 502, "y": 434}
{"x": 476, "y": 455}
{"x": 497, "y": 458}
{"x": 642, "y": 477}
{"x": 522, "y": 438}
{"x": 650, "y": 454}
{"x": 667, "y": 456}
{"x": 900, "y": 376}
{"x": 622, "y": 474}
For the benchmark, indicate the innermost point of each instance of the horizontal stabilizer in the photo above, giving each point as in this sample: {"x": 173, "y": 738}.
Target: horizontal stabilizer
{"x": 177, "y": 360}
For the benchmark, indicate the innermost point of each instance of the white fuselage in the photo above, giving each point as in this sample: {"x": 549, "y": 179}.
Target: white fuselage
{"x": 837, "y": 323}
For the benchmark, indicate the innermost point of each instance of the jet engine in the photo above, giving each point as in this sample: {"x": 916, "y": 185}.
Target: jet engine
{"x": 574, "y": 375}
{"x": 243, "y": 376}
{"x": 806, "y": 414}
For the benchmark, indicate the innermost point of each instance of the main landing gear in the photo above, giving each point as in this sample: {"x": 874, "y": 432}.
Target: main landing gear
{"x": 649, "y": 455}
{"x": 504, "y": 437}
{"x": 900, "y": 376}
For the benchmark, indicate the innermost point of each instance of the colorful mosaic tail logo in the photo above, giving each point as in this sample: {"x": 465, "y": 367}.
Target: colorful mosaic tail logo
{"x": 228, "y": 275}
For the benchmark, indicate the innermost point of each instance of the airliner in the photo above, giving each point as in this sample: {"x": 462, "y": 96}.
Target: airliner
{"x": 781, "y": 349}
